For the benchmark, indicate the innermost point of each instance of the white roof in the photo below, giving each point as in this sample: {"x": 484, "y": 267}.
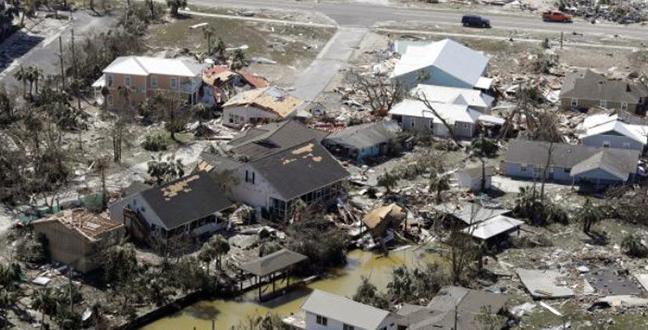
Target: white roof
{"x": 490, "y": 119}
{"x": 484, "y": 83}
{"x": 143, "y": 66}
{"x": 344, "y": 310}
{"x": 602, "y": 123}
{"x": 454, "y": 95}
{"x": 447, "y": 55}
{"x": 100, "y": 83}
{"x": 449, "y": 112}
{"x": 492, "y": 227}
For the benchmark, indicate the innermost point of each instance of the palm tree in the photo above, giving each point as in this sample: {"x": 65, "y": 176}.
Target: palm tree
{"x": 238, "y": 60}
{"x": 220, "y": 50}
{"x": 439, "y": 183}
{"x": 208, "y": 32}
{"x": 104, "y": 93}
{"x": 45, "y": 301}
{"x": 221, "y": 246}
{"x": 589, "y": 214}
{"x": 21, "y": 75}
{"x": 174, "y": 5}
{"x": 37, "y": 74}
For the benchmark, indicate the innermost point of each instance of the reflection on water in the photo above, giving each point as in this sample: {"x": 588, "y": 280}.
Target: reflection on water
{"x": 228, "y": 313}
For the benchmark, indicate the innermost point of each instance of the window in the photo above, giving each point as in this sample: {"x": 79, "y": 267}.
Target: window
{"x": 154, "y": 82}
{"x": 567, "y": 170}
{"x": 347, "y": 327}
{"x": 606, "y": 144}
{"x": 412, "y": 124}
{"x": 626, "y": 144}
{"x": 109, "y": 100}
{"x": 321, "y": 320}
{"x": 174, "y": 83}
{"x": 110, "y": 80}
{"x": 624, "y": 106}
{"x": 249, "y": 177}
{"x": 603, "y": 103}
{"x": 574, "y": 103}
{"x": 523, "y": 167}
{"x": 127, "y": 81}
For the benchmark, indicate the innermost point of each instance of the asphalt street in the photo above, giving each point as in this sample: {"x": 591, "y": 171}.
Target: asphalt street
{"x": 367, "y": 15}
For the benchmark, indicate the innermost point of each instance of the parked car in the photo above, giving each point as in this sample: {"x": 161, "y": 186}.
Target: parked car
{"x": 475, "y": 21}
{"x": 556, "y": 16}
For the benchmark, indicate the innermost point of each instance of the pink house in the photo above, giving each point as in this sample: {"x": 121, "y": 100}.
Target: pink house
{"x": 132, "y": 79}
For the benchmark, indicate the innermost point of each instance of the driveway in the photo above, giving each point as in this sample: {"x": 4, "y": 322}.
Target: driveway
{"x": 329, "y": 61}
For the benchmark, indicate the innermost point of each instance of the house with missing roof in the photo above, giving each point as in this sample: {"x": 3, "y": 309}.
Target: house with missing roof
{"x": 488, "y": 224}
{"x": 442, "y": 63}
{"x": 610, "y": 131}
{"x": 585, "y": 89}
{"x": 132, "y": 79}
{"x": 413, "y": 115}
{"x": 223, "y": 83}
{"x": 77, "y": 237}
{"x": 475, "y": 99}
{"x": 363, "y": 141}
{"x": 193, "y": 205}
{"x": 324, "y": 311}
{"x": 258, "y": 106}
{"x": 452, "y": 308}
{"x": 574, "y": 164}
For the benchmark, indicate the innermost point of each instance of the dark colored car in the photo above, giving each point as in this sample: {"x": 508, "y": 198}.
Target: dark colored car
{"x": 475, "y": 21}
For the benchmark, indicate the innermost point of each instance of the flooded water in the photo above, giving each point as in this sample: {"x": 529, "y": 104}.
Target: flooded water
{"x": 228, "y": 313}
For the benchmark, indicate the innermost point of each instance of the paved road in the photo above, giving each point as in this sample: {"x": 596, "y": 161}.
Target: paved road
{"x": 329, "y": 61}
{"x": 45, "y": 52}
{"x": 366, "y": 15}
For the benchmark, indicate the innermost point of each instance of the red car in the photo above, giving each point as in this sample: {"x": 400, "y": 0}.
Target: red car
{"x": 556, "y": 16}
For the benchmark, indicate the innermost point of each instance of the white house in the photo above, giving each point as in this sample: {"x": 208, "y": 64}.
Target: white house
{"x": 442, "y": 63}
{"x": 193, "y": 204}
{"x": 413, "y": 115}
{"x": 471, "y": 177}
{"x": 609, "y": 131}
{"x": 326, "y": 311}
{"x": 259, "y": 106}
{"x": 474, "y": 99}
{"x": 274, "y": 183}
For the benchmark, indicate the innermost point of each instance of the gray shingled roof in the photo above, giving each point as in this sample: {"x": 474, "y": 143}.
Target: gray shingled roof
{"x": 589, "y": 85}
{"x": 273, "y": 262}
{"x": 365, "y": 135}
{"x": 187, "y": 199}
{"x": 261, "y": 141}
{"x": 535, "y": 153}
{"x": 299, "y": 170}
{"x": 344, "y": 310}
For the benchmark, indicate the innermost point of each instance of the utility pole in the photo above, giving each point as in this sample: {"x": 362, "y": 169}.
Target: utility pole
{"x": 61, "y": 60}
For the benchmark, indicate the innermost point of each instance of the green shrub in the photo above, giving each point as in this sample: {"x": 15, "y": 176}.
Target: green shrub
{"x": 156, "y": 142}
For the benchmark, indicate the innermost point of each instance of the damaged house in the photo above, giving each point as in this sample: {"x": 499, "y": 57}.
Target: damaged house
{"x": 575, "y": 164}
{"x": 193, "y": 205}
{"x": 586, "y": 89}
{"x": 452, "y": 308}
{"x": 413, "y": 115}
{"x": 274, "y": 180}
{"x": 442, "y": 63}
{"x": 258, "y": 106}
{"x": 610, "y": 131}
{"x": 363, "y": 141}
{"x": 78, "y": 237}
{"x": 224, "y": 83}
{"x": 473, "y": 98}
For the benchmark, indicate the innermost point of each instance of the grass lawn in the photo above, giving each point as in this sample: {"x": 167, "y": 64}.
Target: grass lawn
{"x": 285, "y": 44}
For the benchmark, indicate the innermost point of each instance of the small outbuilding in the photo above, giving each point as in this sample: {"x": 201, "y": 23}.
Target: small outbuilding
{"x": 380, "y": 219}
{"x": 473, "y": 177}
{"x": 363, "y": 141}
{"x": 77, "y": 237}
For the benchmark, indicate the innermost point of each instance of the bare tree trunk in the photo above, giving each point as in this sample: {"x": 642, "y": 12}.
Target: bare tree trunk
{"x": 544, "y": 171}
{"x": 422, "y": 98}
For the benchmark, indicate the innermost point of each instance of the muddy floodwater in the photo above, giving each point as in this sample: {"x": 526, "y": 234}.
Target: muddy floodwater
{"x": 228, "y": 313}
